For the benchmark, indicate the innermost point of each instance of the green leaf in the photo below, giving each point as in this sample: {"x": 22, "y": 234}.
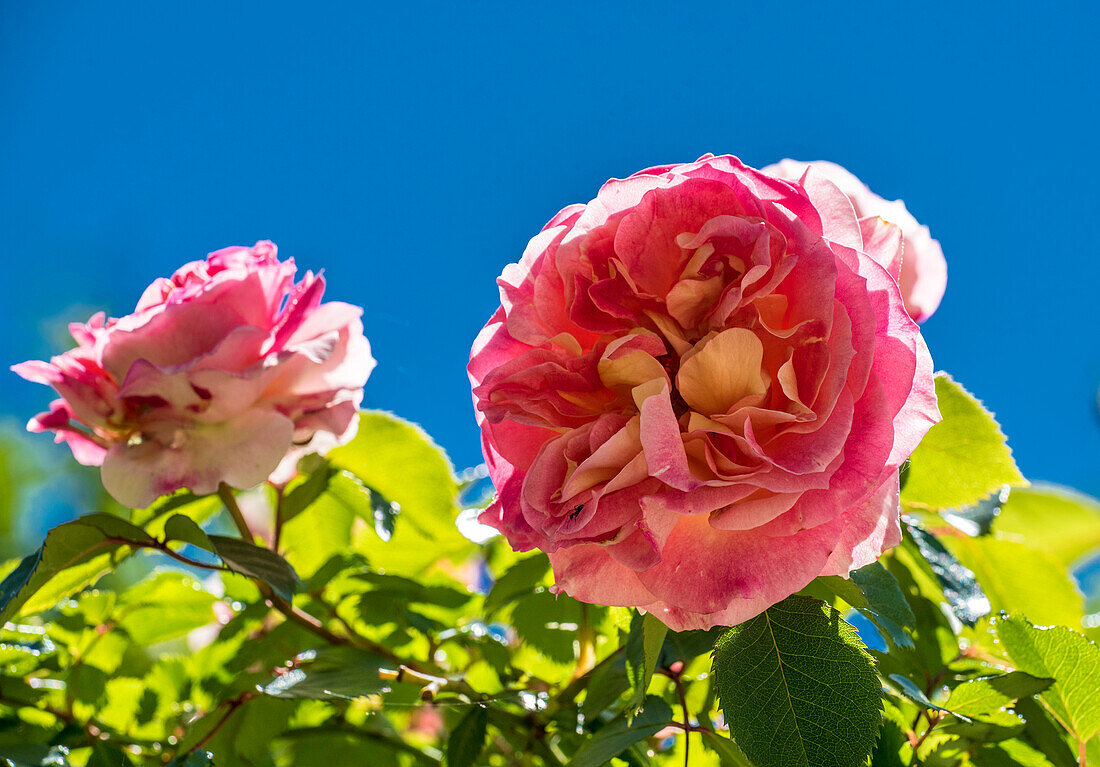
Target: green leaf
{"x": 75, "y": 554}
{"x": 1060, "y": 522}
{"x": 1012, "y": 753}
{"x": 167, "y": 605}
{"x": 1065, "y": 656}
{"x": 34, "y": 756}
{"x": 963, "y": 458}
{"x": 332, "y": 673}
{"x": 521, "y": 578}
{"x": 643, "y": 648}
{"x": 467, "y": 739}
{"x": 883, "y": 594}
{"x": 1044, "y": 733}
{"x": 728, "y": 753}
{"x": 609, "y": 681}
{"x": 399, "y": 461}
{"x": 797, "y": 687}
{"x": 991, "y": 693}
{"x": 181, "y": 528}
{"x": 960, "y": 586}
{"x": 910, "y": 690}
{"x": 257, "y": 562}
{"x": 321, "y": 531}
{"x": 1021, "y": 581}
{"x": 195, "y": 759}
{"x": 618, "y": 735}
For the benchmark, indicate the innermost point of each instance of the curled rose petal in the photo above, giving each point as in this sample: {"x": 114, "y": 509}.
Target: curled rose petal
{"x": 699, "y": 388}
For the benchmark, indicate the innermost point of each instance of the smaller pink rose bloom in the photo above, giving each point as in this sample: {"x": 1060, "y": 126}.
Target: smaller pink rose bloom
{"x": 226, "y": 372}
{"x": 922, "y": 271}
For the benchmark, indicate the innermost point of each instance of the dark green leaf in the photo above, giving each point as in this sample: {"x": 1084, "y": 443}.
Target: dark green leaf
{"x": 886, "y": 604}
{"x": 963, "y": 458}
{"x": 960, "y": 586}
{"x": 85, "y": 547}
{"x": 333, "y": 673}
{"x": 883, "y": 594}
{"x": 728, "y": 752}
{"x": 198, "y": 758}
{"x": 609, "y": 681}
{"x": 35, "y": 756}
{"x": 887, "y": 750}
{"x": 107, "y": 755}
{"x": 618, "y": 735}
{"x": 521, "y": 578}
{"x": 1043, "y": 733}
{"x": 467, "y": 739}
{"x": 257, "y": 562}
{"x": 408, "y": 590}
{"x": 1069, "y": 658}
{"x": 181, "y": 528}
{"x": 978, "y": 519}
{"x": 798, "y": 669}
{"x": 910, "y": 690}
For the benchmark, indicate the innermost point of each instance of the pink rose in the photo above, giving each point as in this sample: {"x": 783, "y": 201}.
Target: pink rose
{"x": 921, "y": 271}
{"x": 698, "y": 391}
{"x": 227, "y": 372}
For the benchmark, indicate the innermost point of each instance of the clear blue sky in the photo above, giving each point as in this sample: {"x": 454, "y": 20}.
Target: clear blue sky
{"x": 411, "y": 150}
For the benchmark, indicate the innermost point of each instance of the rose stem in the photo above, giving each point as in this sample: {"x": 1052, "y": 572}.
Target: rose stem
{"x": 225, "y": 492}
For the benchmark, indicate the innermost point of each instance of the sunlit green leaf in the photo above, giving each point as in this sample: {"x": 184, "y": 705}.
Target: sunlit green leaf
{"x": 1020, "y": 580}
{"x": 165, "y": 606}
{"x": 399, "y": 461}
{"x": 643, "y": 648}
{"x": 990, "y": 693}
{"x": 1060, "y": 522}
{"x": 1068, "y": 658}
{"x": 962, "y": 459}
{"x": 86, "y": 547}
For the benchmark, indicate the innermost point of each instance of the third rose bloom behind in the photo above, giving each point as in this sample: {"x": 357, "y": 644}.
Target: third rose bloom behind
{"x": 700, "y": 386}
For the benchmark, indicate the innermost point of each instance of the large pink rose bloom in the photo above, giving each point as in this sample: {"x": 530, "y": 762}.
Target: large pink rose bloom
{"x": 698, "y": 391}
{"x": 227, "y": 372}
{"x": 922, "y": 270}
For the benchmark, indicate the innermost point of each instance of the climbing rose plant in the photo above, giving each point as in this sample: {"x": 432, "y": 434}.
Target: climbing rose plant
{"x": 742, "y": 521}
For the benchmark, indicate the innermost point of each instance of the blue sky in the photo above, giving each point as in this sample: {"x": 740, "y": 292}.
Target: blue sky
{"x": 411, "y": 149}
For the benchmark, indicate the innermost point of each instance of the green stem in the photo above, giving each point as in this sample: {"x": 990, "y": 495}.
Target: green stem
{"x": 225, "y": 492}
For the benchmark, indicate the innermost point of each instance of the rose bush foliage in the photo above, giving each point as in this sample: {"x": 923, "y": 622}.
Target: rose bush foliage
{"x": 695, "y": 397}
{"x": 703, "y": 366}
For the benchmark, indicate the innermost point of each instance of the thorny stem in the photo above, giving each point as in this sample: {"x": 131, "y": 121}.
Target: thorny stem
{"x": 675, "y": 677}
{"x": 225, "y": 492}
